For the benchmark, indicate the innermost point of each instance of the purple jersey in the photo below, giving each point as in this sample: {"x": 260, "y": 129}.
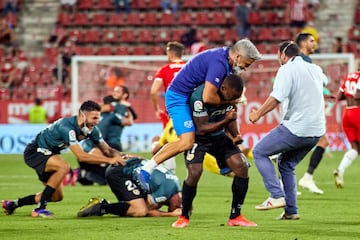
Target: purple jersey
{"x": 211, "y": 65}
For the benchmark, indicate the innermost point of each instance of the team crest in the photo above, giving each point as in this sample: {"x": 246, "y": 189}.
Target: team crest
{"x": 72, "y": 136}
{"x": 188, "y": 124}
{"x": 198, "y": 106}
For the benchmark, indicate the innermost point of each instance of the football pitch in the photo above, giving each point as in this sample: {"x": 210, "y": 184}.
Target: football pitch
{"x": 334, "y": 215}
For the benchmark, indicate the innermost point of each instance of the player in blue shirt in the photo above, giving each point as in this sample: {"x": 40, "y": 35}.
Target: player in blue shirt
{"x": 210, "y": 68}
{"x": 43, "y": 155}
{"x": 132, "y": 200}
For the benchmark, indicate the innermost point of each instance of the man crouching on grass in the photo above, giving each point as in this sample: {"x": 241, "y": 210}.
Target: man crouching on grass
{"x": 132, "y": 200}
{"x": 43, "y": 155}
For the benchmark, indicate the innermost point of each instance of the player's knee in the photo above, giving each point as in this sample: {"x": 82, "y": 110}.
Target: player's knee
{"x": 57, "y": 197}
{"x": 63, "y": 167}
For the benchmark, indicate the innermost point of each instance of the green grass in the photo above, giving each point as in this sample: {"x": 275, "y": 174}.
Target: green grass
{"x": 334, "y": 215}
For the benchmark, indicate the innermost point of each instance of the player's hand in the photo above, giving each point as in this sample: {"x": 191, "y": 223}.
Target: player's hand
{"x": 254, "y": 116}
{"x": 237, "y": 139}
{"x": 176, "y": 212}
{"x": 118, "y": 160}
{"x": 158, "y": 113}
{"x": 231, "y": 115}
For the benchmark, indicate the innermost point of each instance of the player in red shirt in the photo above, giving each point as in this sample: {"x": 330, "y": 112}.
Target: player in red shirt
{"x": 349, "y": 91}
{"x": 164, "y": 76}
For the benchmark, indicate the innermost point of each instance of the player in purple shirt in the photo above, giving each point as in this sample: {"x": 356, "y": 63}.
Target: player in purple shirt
{"x": 209, "y": 67}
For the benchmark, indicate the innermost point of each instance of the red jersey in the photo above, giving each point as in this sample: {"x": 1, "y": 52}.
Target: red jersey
{"x": 350, "y": 84}
{"x": 167, "y": 72}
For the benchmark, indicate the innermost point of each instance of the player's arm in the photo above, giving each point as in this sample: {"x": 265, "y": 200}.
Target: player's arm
{"x": 268, "y": 106}
{"x": 203, "y": 126}
{"x": 154, "y": 91}
{"x": 233, "y": 131}
{"x": 154, "y": 209}
{"x": 340, "y": 95}
{"x": 93, "y": 158}
{"x": 210, "y": 94}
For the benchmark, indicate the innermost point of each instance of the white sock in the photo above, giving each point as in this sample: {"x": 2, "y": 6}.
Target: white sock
{"x": 149, "y": 165}
{"x": 347, "y": 160}
{"x": 170, "y": 164}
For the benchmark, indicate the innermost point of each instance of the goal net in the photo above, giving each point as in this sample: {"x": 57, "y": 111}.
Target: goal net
{"x": 90, "y": 74}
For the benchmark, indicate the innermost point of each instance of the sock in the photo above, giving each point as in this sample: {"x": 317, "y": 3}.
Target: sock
{"x": 119, "y": 208}
{"x": 315, "y": 159}
{"x": 149, "y": 165}
{"x": 348, "y": 158}
{"x": 28, "y": 200}
{"x": 45, "y": 196}
{"x": 188, "y": 195}
{"x": 239, "y": 189}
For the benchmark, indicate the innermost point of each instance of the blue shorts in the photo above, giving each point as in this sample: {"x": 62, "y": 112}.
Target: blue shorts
{"x": 178, "y": 107}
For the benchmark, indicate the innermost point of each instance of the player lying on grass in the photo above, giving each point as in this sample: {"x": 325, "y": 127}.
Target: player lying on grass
{"x": 132, "y": 200}
{"x": 43, "y": 155}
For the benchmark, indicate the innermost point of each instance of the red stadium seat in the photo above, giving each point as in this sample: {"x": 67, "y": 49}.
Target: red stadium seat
{"x": 80, "y": 50}
{"x": 271, "y": 17}
{"x": 109, "y": 36}
{"x": 214, "y": 35}
{"x": 76, "y": 35}
{"x": 64, "y": 19}
{"x": 191, "y": 4}
{"x": 51, "y": 53}
{"x": 282, "y": 34}
{"x": 177, "y": 33}
{"x": 81, "y": 19}
{"x": 105, "y": 5}
{"x": 255, "y": 18}
{"x": 99, "y": 19}
{"x": 262, "y": 48}
{"x": 154, "y": 4}
{"x": 139, "y": 4}
{"x": 162, "y": 35}
{"x": 166, "y": 19}
{"x": 104, "y": 51}
{"x": 209, "y": 4}
{"x": 157, "y": 50}
{"x": 145, "y": 36}
{"x": 133, "y": 19}
{"x": 122, "y": 51}
{"x": 85, "y": 4}
{"x": 230, "y": 34}
{"x": 265, "y": 34}
{"x": 116, "y": 20}
{"x": 185, "y": 18}
{"x": 127, "y": 36}
{"x": 150, "y": 19}
{"x": 225, "y": 4}
{"x": 202, "y": 18}
{"x": 91, "y": 36}
{"x": 139, "y": 50}
{"x": 219, "y": 18}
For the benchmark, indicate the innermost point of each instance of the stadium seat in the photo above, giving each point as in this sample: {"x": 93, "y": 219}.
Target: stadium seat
{"x": 150, "y": 19}
{"x": 230, "y": 34}
{"x": 202, "y": 18}
{"x": 185, "y": 18}
{"x": 208, "y": 4}
{"x": 109, "y": 36}
{"x": 51, "y": 53}
{"x": 225, "y": 4}
{"x": 282, "y": 33}
{"x": 104, "y": 51}
{"x": 157, "y": 50}
{"x": 277, "y": 3}
{"x": 214, "y": 35}
{"x": 85, "y": 4}
{"x": 127, "y": 36}
{"x": 255, "y": 18}
{"x": 91, "y": 36}
{"x": 154, "y": 4}
{"x": 145, "y": 36}
{"x": 76, "y": 35}
{"x": 191, "y": 4}
{"x": 133, "y": 19}
{"x": 99, "y": 19}
{"x": 64, "y": 19}
{"x": 87, "y": 51}
{"x": 273, "y": 49}
{"x": 262, "y": 48}
{"x": 354, "y": 33}
{"x": 177, "y": 33}
{"x": 271, "y": 17}
{"x": 105, "y": 5}
{"x": 219, "y": 18}
{"x": 357, "y": 16}
{"x": 162, "y": 35}
{"x": 122, "y": 51}
{"x": 81, "y": 19}
{"x": 265, "y": 34}
{"x": 116, "y": 20}
{"x": 139, "y": 50}
{"x": 139, "y": 5}
{"x": 166, "y": 19}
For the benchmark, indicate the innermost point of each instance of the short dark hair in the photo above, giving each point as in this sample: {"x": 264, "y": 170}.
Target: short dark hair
{"x": 235, "y": 82}
{"x": 289, "y": 48}
{"x": 301, "y": 37}
{"x": 126, "y": 91}
{"x": 176, "y": 47}
{"x": 90, "y": 106}
{"x": 108, "y": 99}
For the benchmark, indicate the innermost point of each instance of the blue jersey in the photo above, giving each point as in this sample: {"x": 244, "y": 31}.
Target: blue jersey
{"x": 63, "y": 133}
{"x": 211, "y": 65}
